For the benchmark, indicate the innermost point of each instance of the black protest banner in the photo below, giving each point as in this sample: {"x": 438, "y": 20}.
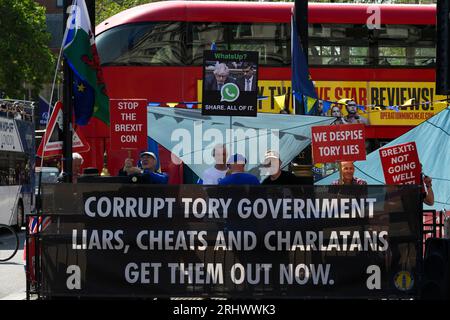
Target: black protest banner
{"x": 230, "y": 83}
{"x": 251, "y": 242}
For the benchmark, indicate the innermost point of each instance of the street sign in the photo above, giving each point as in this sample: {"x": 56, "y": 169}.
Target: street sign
{"x": 53, "y": 139}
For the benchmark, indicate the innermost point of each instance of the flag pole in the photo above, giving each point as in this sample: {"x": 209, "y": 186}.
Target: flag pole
{"x": 300, "y": 16}
{"x": 67, "y": 107}
{"x": 90, "y": 5}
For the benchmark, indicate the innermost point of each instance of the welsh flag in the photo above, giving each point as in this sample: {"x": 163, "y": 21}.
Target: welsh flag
{"x": 81, "y": 54}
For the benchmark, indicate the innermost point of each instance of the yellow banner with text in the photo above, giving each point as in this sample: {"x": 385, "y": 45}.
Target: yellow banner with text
{"x": 365, "y": 93}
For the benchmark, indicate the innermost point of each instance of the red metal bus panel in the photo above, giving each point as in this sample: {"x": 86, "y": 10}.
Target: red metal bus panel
{"x": 270, "y": 12}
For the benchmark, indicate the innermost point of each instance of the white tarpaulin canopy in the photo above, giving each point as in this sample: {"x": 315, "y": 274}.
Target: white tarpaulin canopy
{"x": 192, "y": 136}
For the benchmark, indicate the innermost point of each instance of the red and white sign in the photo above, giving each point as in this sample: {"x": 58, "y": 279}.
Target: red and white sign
{"x": 338, "y": 143}
{"x": 401, "y": 164}
{"x": 128, "y": 124}
{"x": 53, "y": 136}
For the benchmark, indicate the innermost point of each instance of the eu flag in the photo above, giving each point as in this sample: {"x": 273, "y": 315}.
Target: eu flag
{"x": 82, "y": 57}
{"x": 302, "y": 84}
{"x": 84, "y": 97}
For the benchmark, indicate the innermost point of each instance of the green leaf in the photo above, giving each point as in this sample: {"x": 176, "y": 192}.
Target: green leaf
{"x": 26, "y": 60}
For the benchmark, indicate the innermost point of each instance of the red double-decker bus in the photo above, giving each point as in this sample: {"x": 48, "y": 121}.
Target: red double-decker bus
{"x": 375, "y": 54}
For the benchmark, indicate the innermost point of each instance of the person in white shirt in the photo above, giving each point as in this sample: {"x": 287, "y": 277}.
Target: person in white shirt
{"x": 77, "y": 161}
{"x": 213, "y": 174}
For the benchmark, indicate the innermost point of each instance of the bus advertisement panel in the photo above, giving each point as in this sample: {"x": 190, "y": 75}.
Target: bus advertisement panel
{"x": 374, "y": 98}
{"x": 230, "y": 83}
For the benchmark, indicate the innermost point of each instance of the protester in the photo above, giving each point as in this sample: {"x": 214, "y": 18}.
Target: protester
{"x": 129, "y": 168}
{"x": 427, "y": 193}
{"x": 220, "y": 77}
{"x": 347, "y": 171}
{"x": 272, "y": 166}
{"x": 77, "y": 161}
{"x": 335, "y": 111}
{"x": 237, "y": 175}
{"x": 320, "y": 111}
{"x": 146, "y": 170}
{"x": 212, "y": 175}
{"x": 352, "y": 113}
{"x": 247, "y": 82}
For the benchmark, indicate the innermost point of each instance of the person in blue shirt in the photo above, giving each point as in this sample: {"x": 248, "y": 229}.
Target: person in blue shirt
{"x": 146, "y": 170}
{"x": 237, "y": 175}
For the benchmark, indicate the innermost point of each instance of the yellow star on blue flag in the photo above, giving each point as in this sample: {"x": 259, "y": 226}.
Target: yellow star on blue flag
{"x": 81, "y": 87}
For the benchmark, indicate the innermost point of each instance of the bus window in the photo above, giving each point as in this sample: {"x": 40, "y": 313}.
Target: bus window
{"x": 338, "y": 44}
{"x": 392, "y": 56}
{"x": 4, "y": 171}
{"x": 424, "y": 56}
{"x": 203, "y": 35}
{"x": 404, "y": 45}
{"x": 158, "y": 43}
{"x": 338, "y": 55}
{"x": 390, "y": 45}
{"x": 271, "y": 40}
{"x": 327, "y": 55}
{"x": 358, "y": 55}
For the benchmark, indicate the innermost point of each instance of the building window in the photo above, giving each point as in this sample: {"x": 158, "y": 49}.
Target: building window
{"x": 59, "y": 3}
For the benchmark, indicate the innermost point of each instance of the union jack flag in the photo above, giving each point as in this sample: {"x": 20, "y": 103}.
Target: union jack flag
{"x": 35, "y": 224}
{"x": 38, "y": 224}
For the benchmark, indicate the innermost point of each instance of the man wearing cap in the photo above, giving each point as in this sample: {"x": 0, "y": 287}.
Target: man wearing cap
{"x": 148, "y": 161}
{"x": 352, "y": 113}
{"x": 272, "y": 167}
{"x": 236, "y": 164}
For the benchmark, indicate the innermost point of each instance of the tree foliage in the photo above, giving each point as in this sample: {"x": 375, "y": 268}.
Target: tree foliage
{"x": 107, "y": 8}
{"x": 25, "y": 59}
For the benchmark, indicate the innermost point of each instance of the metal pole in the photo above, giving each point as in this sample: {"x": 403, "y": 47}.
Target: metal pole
{"x": 67, "y": 109}
{"x": 90, "y": 5}
{"x": 301, "y": 16}
{"x": 27, "y": 257}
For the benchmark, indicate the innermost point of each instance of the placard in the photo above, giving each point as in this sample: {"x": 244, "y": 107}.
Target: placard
{"x": 128, "y": 124}
{"x": 401, "y": 164}
{"x": 338, "y": 143}
{"x": 230, "y": 83}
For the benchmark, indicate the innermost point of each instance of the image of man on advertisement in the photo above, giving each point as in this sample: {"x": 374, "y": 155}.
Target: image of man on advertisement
{"x": 221, "y": 75}
{"x": 248, "y": 81}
